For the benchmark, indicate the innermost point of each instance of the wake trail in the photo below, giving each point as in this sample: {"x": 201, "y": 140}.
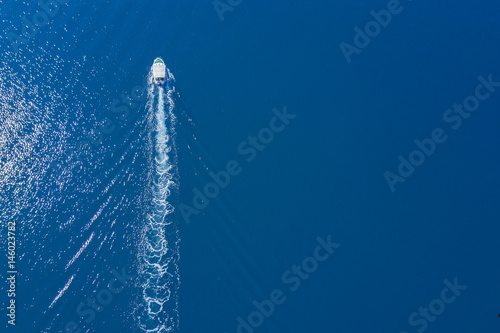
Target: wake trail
{"x": 159, "y": 248}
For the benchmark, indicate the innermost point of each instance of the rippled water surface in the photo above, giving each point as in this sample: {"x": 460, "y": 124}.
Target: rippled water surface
{"x": 312, "y": 167}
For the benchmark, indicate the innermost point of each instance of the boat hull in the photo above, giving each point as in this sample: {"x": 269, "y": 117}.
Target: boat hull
{"x": 159, "y": 72}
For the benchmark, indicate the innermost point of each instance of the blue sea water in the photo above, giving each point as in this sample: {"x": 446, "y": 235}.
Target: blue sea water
{"x": 327, "y": 166}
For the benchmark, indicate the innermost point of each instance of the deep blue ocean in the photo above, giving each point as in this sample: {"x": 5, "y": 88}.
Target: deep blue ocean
{"x": 323, "y": 167}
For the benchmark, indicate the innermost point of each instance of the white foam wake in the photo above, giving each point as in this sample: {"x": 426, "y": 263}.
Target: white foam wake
{"x": 160, "y": 240}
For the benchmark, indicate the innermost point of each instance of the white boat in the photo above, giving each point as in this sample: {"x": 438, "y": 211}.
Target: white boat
{"x": 158, "y": 69}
